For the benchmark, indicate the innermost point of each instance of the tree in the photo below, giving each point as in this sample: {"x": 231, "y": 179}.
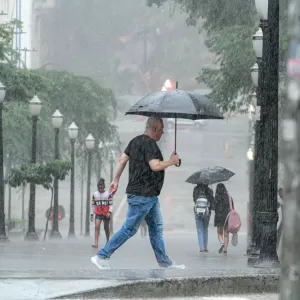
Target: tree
{"x": 80, "y": 99}
{"x": 7, "y": 53}
{"x": 39, "y": 174}
{"x": 230, "y": 25}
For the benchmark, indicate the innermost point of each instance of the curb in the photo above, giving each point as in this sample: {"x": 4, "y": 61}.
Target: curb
{"x": 185, "y": 287}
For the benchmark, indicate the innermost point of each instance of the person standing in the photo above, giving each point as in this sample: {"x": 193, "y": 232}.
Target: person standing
{"x": 146, "y": 178}
{"x": 222, "y": 209}
{"x": 204, "y": 204}
{"x": 102, "y": 207}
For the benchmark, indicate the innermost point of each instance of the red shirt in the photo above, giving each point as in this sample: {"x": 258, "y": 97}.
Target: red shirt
{"x": 102, "y": 203}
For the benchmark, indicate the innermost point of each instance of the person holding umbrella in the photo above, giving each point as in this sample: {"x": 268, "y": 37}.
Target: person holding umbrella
{"x": 205, "y": 202}
{"x": 146, "y": 178}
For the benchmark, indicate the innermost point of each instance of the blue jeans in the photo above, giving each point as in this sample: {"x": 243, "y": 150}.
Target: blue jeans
{"x": 139, "y": 209}
{"x": 202, "y": 230}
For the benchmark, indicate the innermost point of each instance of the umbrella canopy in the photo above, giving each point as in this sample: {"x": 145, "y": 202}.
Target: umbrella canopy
{"x": 176, "y": 104}
{"x": 210, "y": 176}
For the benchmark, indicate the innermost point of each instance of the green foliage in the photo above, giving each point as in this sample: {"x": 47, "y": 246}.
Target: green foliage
{"x": 230, "y": 26}
{"x": 6, "y": 41}
{"x": 80, "y": 99}
{"x": 40, "y": 174}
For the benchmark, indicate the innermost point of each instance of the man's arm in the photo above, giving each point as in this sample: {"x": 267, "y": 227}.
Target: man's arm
{"x": 158, "y": 165}
{"x": 121, "y": 166}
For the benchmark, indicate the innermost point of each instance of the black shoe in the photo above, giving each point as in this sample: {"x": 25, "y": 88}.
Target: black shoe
{"x": 221, "y": 249}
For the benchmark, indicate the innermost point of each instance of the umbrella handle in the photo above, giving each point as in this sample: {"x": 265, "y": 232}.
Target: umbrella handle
{"x": 179, "y": 164}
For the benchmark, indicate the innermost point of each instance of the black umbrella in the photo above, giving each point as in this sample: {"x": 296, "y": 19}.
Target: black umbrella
{"x": 210, "y": 176}
{"x": 176, "y": 104}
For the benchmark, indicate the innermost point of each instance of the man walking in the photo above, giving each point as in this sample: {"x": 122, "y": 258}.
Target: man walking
{"x": 146, "y": 177}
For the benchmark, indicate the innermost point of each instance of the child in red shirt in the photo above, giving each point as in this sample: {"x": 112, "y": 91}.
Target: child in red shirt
{"x": 102, "y": 207}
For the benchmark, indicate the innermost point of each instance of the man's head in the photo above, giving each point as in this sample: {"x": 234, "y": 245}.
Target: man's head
{"x": 101, "y": 185}
{"x": 154, "y": 128}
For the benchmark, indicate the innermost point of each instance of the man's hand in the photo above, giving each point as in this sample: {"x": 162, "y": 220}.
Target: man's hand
{"x": 108, "y": 215}
{"x": 113, "y": 187}
{"x": 174, "y": 158}
{"x": 92, "y": 218}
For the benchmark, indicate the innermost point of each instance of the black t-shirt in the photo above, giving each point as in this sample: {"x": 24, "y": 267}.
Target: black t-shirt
{"x": 142, "y": 180}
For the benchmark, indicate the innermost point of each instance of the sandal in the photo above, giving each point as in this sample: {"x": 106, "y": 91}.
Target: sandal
{"x": 225, "y": 252}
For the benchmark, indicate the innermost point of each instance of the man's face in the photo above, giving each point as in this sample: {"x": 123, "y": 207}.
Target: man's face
{"x": 101, "y": 188}
{"x": 159, "y": 131}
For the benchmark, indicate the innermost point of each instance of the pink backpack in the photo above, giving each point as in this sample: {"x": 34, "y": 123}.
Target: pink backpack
{"x": 233, "y": 219}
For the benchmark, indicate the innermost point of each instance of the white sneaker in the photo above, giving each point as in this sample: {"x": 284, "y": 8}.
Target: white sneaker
{"x": 100, "y": 263}
{"x": 174, "y": 266}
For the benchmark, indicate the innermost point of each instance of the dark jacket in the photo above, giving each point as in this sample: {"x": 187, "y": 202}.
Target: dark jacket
{"x": 201, "y": 189}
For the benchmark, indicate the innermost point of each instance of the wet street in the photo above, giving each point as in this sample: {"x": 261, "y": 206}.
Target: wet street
{"x": 219, "y": 143}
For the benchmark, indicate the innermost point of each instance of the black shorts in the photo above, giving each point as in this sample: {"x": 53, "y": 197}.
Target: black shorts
{"x": 101, "y": 217}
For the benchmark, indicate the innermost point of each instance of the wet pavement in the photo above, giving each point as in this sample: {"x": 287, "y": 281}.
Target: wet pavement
{"x": 227, "y": 297}
{"x": 61, "y": 267}
{"x": 71, "y": 258}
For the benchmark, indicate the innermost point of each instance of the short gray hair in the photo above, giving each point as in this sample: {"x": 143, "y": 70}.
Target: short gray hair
{"x": 153, "y": 121}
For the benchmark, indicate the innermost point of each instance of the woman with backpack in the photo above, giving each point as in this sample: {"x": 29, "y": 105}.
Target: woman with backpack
{"x": 222, "y": 209}
{"x": 203, "y": 205}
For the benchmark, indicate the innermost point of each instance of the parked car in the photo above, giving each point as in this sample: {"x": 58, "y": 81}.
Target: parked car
{"x": 185, "y": 122}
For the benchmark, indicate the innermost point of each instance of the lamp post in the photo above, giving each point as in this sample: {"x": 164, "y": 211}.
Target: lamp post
{"x": 100, "y": 149}
{"x": 73, "y": 133}
{"x": 90, "y": 144}
{"x": 266, "y": 146}
{"x": 35, "y": 106}
{"x": 57, "y": 119}
{"x": 3, "y": 236}
{"x": 112, "y": 155}
{"x": 257, "y": 75}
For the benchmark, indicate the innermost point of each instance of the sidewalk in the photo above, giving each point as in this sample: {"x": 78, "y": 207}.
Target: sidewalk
{"x": 36, "y": 269}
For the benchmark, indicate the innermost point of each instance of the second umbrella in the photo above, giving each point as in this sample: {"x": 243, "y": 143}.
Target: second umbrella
{"x": 210, "y": 176}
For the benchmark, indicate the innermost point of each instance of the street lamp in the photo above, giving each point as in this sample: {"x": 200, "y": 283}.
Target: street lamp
{"x": 90, "y": 144}
{"x": 57, "y": 119}
{"x": 257, "y": 41}
{"x": 73, "y": 133}
{"x": 35, "y": 106}
{"x": 254, "y": 74}
{"x": 3, "y": 236}
{"x": 262, "y": 9}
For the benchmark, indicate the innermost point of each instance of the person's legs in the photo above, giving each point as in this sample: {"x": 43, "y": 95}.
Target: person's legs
{"x": 226, "y": 239}
{"x": 200, "y": 229}
{"x": 220, "y": 232}
{"x": 138, "y": 207}
{"x": 97, "y": 229}
{"x": 106, "y": 228}
{"x": 155, "y": 225}
{"x": 205, "y": 232}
